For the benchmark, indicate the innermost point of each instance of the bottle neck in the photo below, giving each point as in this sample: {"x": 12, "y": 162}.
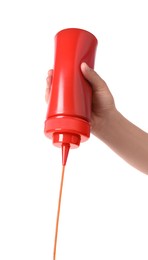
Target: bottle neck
{"x": 59, "y": 139}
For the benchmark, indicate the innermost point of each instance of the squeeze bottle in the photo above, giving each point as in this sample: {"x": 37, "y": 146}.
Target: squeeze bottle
{"x": 69, "y": 107}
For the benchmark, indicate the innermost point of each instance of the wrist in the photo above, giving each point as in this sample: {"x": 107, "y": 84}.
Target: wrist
{"x": 107, "y": 124}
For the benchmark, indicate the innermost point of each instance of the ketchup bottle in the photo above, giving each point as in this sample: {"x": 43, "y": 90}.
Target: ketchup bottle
{"x": 69, "y": 108}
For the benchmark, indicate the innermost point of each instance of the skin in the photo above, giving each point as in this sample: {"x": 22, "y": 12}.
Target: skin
{"x": 109, "y": 125}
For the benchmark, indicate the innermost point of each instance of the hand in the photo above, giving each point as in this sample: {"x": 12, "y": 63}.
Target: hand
{"x": 48, "y": 84}
{"x": 102, "y": 99}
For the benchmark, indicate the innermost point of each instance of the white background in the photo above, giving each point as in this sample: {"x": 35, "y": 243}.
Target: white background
{"x": 104, "y": 211}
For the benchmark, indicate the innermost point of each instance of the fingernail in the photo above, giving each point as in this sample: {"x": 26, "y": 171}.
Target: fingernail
{"x": 50, "y": 73}
{"x": 85, "y": 65}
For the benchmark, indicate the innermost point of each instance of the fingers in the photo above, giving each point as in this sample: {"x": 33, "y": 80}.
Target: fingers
{"x": 95, "y": 80}
{"x": 48, "y": 86}
{"x": 97, "y": 83}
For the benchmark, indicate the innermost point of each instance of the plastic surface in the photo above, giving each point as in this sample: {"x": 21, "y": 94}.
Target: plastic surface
{"x": 69, "y": 107}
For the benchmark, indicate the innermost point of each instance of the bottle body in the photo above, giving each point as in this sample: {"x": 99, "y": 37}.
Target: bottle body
{"x": 69, "y": 106}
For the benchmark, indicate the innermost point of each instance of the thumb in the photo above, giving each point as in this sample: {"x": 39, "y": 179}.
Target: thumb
{"x": 94, "y": 79}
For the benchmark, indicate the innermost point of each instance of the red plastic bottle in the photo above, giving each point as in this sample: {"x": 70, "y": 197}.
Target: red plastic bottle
{"x": 69, "y": 108}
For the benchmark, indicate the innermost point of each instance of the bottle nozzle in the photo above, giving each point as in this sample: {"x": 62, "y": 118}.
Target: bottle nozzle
{"x": 65, "y": 141}
{"x": 65, "y": 152}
